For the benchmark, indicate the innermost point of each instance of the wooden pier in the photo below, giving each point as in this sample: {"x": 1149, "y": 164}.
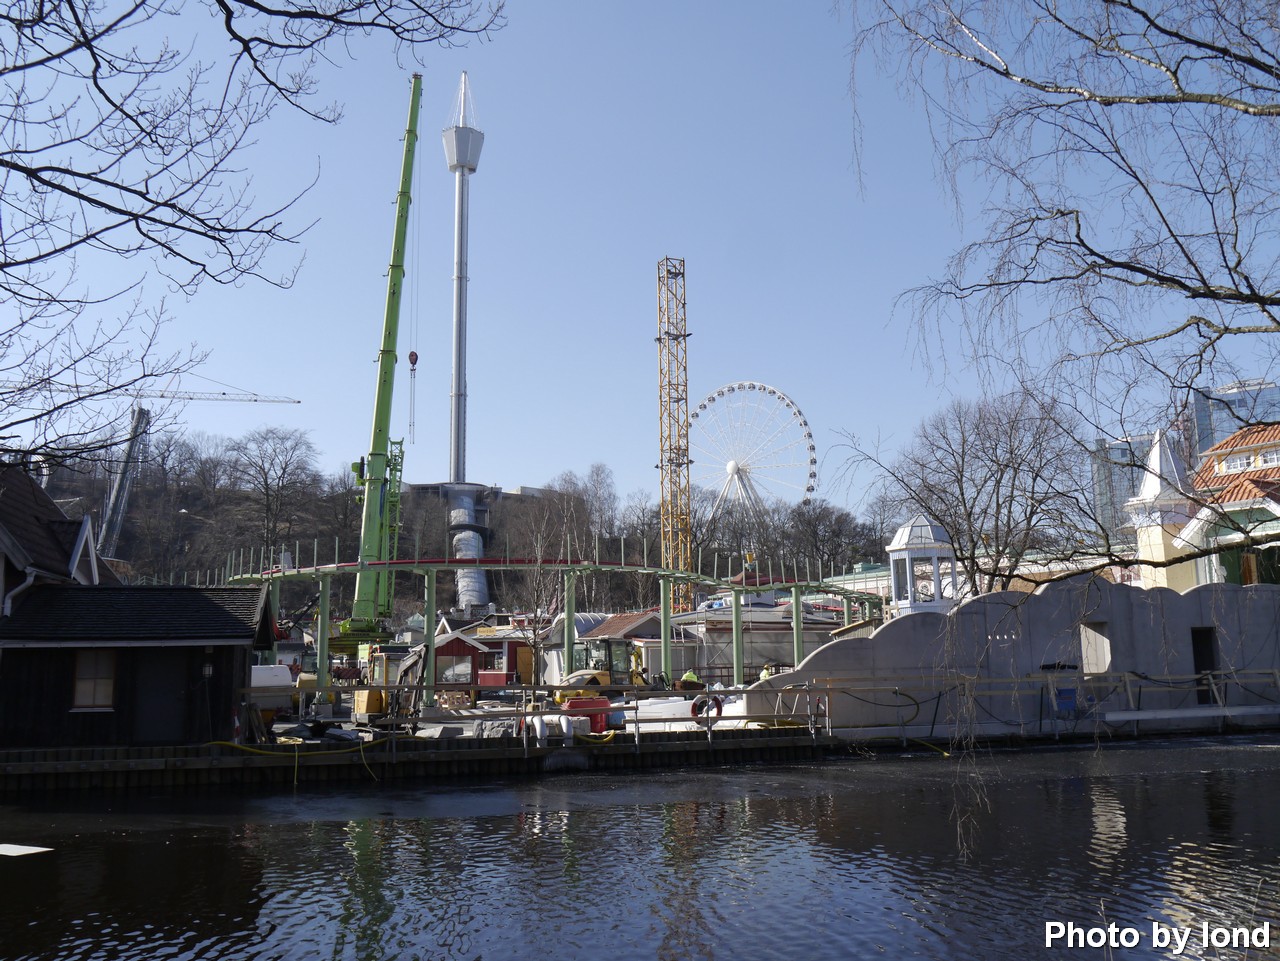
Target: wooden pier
{"x": 392, "y": 758}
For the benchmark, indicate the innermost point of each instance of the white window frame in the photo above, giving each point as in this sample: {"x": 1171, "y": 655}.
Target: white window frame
{"x": 1236, "y": 463}
{"x": 94, "y": 686}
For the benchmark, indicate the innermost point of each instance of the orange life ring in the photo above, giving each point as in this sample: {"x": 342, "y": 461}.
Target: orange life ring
{"x": 702, "y": 704}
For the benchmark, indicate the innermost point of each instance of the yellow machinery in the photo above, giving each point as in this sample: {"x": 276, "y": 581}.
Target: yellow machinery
{"x": 602, "y": 666}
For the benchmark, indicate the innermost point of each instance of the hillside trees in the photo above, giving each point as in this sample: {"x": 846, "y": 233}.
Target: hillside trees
{"x": 121, "y": 168}
{"x": 275, "y": 468}
{"x": 1127, "y": 153}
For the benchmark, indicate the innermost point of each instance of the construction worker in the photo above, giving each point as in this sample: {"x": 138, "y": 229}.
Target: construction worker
{"x": 765, "y": 673}
{"x": 691, "y": 675}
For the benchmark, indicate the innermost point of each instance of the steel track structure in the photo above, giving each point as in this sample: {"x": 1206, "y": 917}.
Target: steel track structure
{"x": 264, "y": 569}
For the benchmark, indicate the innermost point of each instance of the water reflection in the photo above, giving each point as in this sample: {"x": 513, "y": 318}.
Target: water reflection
{"x": 823, "y": 862}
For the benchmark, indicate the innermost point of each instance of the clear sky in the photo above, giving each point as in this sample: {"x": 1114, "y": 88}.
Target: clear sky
{"x": 615, "y": 135}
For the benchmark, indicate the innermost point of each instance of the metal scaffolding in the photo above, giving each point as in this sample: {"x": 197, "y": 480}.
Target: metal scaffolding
{"x": 673, "y": 428}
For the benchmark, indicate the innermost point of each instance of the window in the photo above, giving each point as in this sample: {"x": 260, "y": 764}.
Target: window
{"x": 1235, "y": 463}
{"x": 453, "y": 670}
{"x": 1270, "y": 458}
{"x": 95, "y": 680}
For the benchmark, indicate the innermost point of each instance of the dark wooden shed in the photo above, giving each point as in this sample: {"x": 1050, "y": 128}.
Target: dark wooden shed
{"x": 120, "y": 666}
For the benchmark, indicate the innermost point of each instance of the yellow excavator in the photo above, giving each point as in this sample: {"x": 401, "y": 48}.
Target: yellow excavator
{"x": 601, "y": 667}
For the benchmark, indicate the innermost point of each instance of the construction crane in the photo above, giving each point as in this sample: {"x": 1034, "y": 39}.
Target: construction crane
{"x": 673, "y": 428}
{"x": 136, "y": 443}
{"x": 242, "y": 398}
{"x": 135, "y": 448}
{"x": 379, "y": 472}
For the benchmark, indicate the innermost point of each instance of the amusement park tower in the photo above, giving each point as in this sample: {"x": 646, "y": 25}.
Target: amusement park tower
{"x": 462, "y": 143}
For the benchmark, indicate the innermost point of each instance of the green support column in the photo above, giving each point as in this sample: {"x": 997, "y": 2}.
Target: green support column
{"x": 273, "y": 591}
{"x": 664, "y": 607}
{"x": 568, "y": 624}
{"x": 797, "y": 627}
{"x": 848, "y": 611}
{"x": 322, "y": 637}
{"x": 429, "y": 627}
{"x": 739, "y": 665}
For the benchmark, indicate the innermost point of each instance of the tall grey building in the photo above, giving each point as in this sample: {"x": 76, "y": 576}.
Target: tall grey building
{"x": 1217, "y": 414}
{"x": 1118, "y": 469}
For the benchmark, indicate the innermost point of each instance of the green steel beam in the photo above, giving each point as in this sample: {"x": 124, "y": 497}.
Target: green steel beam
{"x": 429, "y": 628}
{"x": 569, "y": 627}
{"x": 322, "y": 637}
{"x": 664, "y": 594}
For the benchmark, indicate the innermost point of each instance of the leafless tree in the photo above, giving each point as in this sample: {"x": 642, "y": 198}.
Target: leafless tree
{"x": 120, "y": 146}
{"x": 1004, "y": 477}
{"x": 1127, "y": 153}
{"x": 826, "y": 538}
{"x": 534, "y": 531}
{"x": 276, "y": 467}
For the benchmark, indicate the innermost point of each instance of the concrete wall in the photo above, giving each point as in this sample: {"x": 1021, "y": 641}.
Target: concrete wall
{"x": 1028, "y": 664}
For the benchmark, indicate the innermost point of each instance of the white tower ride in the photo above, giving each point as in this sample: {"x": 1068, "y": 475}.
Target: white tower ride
{"x": 462, "y": 143}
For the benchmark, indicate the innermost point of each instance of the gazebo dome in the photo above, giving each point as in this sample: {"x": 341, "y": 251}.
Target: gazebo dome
{"x": 921, "y": 534}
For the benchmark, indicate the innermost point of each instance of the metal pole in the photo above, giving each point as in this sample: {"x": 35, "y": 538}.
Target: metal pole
{"x": 797, "y": 627}
{"x": 429, "y": 628}
{"x": 569, "y": 626}
{"x": 664, "y": 607}
{"x": 322, "y": 640}
{"x": 739, "y": 666}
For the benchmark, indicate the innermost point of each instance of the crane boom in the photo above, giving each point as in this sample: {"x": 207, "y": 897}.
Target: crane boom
{"x": 218, "y": 395}
{"x": 376, "y": 523}
{"x": 72, "y": 390}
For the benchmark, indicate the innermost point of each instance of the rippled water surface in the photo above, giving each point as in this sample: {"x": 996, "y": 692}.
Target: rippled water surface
{"x": 924, "y": 856}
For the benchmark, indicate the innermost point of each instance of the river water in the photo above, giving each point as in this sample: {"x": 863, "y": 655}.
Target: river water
{"x": 978, "y": 856}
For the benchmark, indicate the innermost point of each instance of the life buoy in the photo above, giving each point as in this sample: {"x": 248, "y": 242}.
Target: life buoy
{"x": 704, "y": 705}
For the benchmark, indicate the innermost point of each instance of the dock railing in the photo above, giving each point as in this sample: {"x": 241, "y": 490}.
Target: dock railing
{"x": 1048, "y": 703}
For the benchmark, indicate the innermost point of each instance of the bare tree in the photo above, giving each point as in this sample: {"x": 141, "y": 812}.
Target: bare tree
{"x": 276, "y": 467}
{"x": 826, "y": 538}
{"x": 120, "y": 175}
{"x": 1130, "y": 151}
{"x": 534, "y": 530}
{"x": 1004, "y": 477}
{"x": 641, "y": 529}
{"x": 602, "y": 500}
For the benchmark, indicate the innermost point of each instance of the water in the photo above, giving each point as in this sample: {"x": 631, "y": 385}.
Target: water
{"x": 919, "y": 856}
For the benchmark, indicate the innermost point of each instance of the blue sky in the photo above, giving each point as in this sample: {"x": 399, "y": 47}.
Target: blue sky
{"x": 615, "y": 135}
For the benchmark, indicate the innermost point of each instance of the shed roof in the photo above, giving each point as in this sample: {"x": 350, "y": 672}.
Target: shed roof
{"x": 619, "y": 625}
{"x": 54, "y": 615}
{"x": 38, "y": 526}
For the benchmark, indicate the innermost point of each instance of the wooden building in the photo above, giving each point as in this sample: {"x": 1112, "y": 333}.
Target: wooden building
{"x": 117, "y": 666}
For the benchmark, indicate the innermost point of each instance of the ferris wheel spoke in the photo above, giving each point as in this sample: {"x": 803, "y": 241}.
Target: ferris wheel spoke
{"x": 774, "y": 442}
{"x": 750, "y": 442}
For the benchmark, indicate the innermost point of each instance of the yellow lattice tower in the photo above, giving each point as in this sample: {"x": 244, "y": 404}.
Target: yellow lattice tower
{"x": 673, "y": 427}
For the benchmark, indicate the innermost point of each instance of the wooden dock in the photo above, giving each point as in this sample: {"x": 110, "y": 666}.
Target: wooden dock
{"x": 392, "y": 758}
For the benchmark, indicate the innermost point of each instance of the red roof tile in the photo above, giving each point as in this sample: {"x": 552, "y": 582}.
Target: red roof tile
{"x": 1238, "y": 485}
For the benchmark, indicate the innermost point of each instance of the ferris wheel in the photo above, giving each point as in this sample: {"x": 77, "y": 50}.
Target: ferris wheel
{"x": 751, "y": 444}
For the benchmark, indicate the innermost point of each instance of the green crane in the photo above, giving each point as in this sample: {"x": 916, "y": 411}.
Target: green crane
{"x": 379, "y": 472}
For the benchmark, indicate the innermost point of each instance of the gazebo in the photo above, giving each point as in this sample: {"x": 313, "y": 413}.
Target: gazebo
{"x": 918, "y": 554}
